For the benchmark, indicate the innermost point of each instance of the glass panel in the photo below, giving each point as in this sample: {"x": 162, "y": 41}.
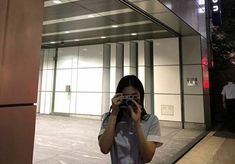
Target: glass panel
{"x": 90, "y": 79}
{"x": 67, "y": 57}
{"x": 63, "y": 79}
{"x": 45, "y": 102}
{"x": 41, "y": 105}
{"x": 50, "y": 59}
{"x": 47, "y": 80}
{"x": 91, "y": 56}
{"x": 74, "y": 79}
{"x": 73, "y": 103}
{"x": 62, "y": 102}
{"x": 48, "y": 103}
{"x": 45, "y": 56}
{"x": 89, "y": 103}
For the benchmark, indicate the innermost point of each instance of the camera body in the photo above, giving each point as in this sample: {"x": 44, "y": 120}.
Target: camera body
{"x": 128, "y": 100}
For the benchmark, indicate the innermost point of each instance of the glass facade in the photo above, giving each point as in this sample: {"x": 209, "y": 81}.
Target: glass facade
{"x": 84, "y": 77}
{"x": 174, "y": 70}
{"x": 46, "y": 80}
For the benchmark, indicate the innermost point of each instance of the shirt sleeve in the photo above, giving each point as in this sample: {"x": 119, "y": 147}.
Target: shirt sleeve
{"x": 154, "y": 133}
{"x": 104, "y": 123}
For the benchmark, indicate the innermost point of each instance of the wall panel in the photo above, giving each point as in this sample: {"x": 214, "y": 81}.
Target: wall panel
{"x": 20, "y": 40}
{"x": 20, "y": 59}
{"x": 17, "y": 126}
{"x": 167, "y": 91}
{"x": 3, "y": 18}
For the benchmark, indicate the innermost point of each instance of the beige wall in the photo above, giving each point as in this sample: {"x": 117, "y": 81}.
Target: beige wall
{"x": 167, "y": 79}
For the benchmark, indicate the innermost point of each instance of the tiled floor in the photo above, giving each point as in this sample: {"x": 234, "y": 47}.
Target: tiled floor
{"x": 70, "y": 140}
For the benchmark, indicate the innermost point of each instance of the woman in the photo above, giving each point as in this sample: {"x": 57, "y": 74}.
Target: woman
{"x": 127, "y": 131}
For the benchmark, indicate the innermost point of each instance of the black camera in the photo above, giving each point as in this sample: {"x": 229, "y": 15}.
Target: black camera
{"x": 128, "y": 100}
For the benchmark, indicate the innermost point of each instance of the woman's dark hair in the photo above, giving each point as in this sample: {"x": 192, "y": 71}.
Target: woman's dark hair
{"x": 131, "y": 80}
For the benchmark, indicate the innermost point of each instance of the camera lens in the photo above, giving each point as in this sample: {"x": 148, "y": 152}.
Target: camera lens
{"x": 129, "y": 102}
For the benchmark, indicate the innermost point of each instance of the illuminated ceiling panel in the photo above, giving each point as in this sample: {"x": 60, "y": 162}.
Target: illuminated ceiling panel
{"x": 80, "y": 22}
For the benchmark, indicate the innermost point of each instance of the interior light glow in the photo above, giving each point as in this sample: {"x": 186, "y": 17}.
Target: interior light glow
{"x": 103, "y": 37}
{"x": 201, "y": 10}
{"x": 57, "y": 1}
{"x": 169, "y": 5}
{"x": 201, "y": 2}
{"x": 133, "y": 34}
{"x": 53, "y": 42}
{"x": 76, "y": 40}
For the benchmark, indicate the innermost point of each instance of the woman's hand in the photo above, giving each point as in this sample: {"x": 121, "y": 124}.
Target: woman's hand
{"x": 135, "y": 111}
{"x": 116, "y": 101}
{"x": 106, "y": 140}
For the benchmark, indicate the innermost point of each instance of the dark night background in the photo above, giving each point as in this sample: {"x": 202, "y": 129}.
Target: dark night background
{"x": 223, "y": 52}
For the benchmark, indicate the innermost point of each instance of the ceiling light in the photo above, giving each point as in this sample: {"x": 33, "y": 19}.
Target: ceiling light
{"x": 133, "y": 34}
{"x": 114, "y": 26}
{"x": 91, "y": 16}
{"x": 103, "y": 37}
{"x": 66, "y": 32}
{"x": 76, "y": 40}
{"x": 53, "y": 42}
{"x": 57, "y": 1}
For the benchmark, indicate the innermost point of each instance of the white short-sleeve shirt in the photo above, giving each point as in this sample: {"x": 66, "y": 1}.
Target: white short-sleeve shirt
{"x": 125, "y": 147}
{"x": 229, "y": 91}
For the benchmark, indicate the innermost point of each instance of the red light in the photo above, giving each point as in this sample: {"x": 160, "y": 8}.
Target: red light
{"x": 204, "y": 61}
{"x": 206, "y": 84}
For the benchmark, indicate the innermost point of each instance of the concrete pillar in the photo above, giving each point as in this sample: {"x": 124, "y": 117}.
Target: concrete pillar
{"x": 130, "y": 58}
{"x": 145, "y": 72}
{"x": 196, "y": 82}
{"x": 106, "y": 79}
{"x": 116, "y": 65}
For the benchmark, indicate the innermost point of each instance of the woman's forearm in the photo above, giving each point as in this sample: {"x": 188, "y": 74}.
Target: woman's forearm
{"x": 147, "y": 149}
{"x": 106, "y": 139}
